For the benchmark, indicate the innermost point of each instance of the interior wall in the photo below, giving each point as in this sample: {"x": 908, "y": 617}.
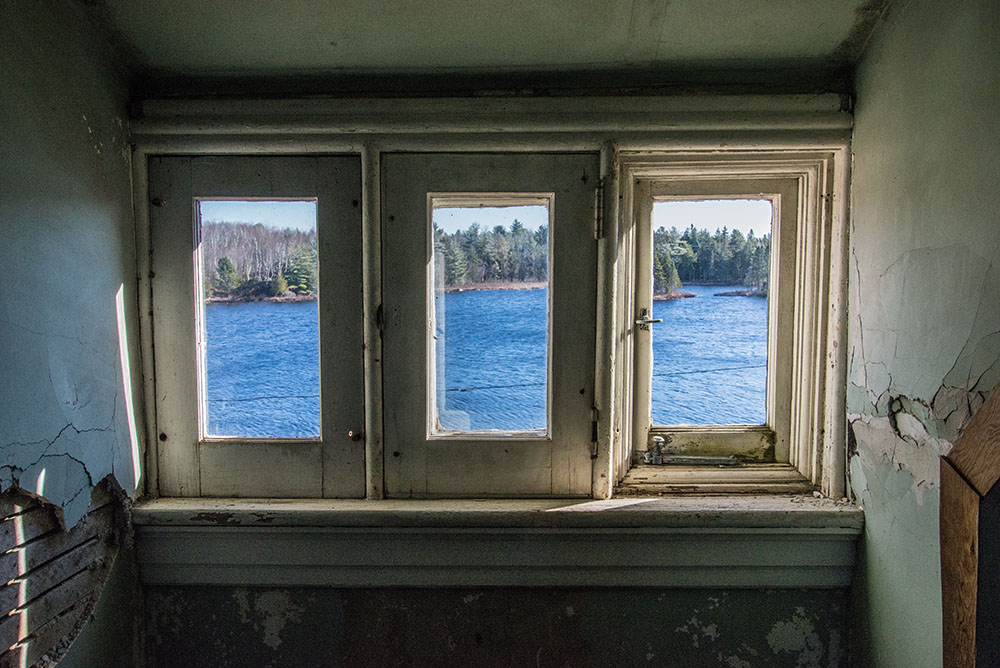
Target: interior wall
{"x": 67, "y": 260}
{"x": 194, "y": 627}
{"x": 68, "y": 425}
{"x": 925, "y": 299}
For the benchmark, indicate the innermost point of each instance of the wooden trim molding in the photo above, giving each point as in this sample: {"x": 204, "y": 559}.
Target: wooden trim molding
{"x": 651, "y": 542}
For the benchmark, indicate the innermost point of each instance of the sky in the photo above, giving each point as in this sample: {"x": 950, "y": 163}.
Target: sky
{"x": 450, "y": 220}
{"x": 742, "y": 215}
{"x": 735, "y": 214}
{"x": 296, "y": 214}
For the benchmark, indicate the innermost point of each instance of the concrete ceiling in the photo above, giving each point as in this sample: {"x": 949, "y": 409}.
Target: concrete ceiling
{"x": 227, "y": 39}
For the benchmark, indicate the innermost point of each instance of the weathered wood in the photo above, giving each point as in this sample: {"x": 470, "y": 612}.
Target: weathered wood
{"x": 50, "y": 545}
{"x": 61, "y": 630}
{"x": 52, "y": 578}
{"x": 19, "y": 528}
{"x": 416, "y": 464}
{"x": 976, "y": 455}
{"x": 959, "y": 568}
{"x": 85, "y": 584}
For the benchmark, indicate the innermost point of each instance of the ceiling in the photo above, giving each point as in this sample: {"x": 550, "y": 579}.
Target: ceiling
{"x": 325, "y": 40}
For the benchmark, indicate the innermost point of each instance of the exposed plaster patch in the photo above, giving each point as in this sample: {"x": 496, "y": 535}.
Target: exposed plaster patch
{"x": 698, "y": 631}
{"x": 269, "y": 613}
{"x": 733, "y": 661}
{"x": 901, "y": 441}
{"x": 798, "y": 636}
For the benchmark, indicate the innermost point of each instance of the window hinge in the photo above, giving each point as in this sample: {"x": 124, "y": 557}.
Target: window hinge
{"x": 599, "y": 209}
{"x": 380, "y": 319}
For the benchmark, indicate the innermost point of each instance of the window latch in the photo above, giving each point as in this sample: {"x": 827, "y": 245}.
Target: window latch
{"x": 644, "y": 321}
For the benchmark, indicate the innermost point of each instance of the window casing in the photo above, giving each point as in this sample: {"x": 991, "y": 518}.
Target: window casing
{"x": 799, "y": 185}
{"x": 691, "y": 142}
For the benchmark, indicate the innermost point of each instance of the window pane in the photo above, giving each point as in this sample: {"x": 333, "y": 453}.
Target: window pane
{"x": 711, "y": 264}
{"x": 491, "y": 318}
{"x": 260, "y": 343}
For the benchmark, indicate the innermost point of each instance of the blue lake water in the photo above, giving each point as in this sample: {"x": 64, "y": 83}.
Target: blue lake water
{"x": 710, "y": 359}
{"x": 262, "y": 369}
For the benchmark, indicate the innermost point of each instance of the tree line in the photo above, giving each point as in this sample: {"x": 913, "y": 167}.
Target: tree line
{"x": 250, "y": 261}
{"x": 698, "y": 256}
{"x": 246, "y": 261}
{"x": 692, "y": 256}
{"x": 499, "y": 255}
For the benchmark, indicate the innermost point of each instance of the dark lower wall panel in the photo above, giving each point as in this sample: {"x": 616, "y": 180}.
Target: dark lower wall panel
{"x": 192, "y": 627}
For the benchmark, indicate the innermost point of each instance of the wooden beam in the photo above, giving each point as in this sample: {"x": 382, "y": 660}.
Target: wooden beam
{"x": 959, "y": 567}
{"x": 976, "y": 455}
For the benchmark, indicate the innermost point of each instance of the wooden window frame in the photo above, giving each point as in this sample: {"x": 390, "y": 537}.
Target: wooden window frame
{"x": 800, "y": 133}
{"x": 802, "y": 399}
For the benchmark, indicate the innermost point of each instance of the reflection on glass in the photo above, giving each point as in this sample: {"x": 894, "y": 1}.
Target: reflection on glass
{"x": 711, "y": 264}
{"x": 490, "y": 279}
{"x": 259, "y": 287}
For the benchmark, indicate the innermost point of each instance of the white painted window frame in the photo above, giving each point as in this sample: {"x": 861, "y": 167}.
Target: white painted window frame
{"x": 805, "y": 403}
{"x": 620, "y": 130}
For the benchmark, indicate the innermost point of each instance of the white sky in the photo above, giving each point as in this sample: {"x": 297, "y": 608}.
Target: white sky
{"x": 451, "y": 220}
{"x": 296, "y": 214}
{"x": 736, "y": 214}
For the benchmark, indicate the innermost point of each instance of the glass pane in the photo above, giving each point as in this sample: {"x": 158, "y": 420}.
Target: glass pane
{"x": 711, "y": 263}
{"x": 260, "y": 350}
{"x": 490, "y": 276}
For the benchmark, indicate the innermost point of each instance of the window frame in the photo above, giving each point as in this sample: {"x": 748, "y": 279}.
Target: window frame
{"x": 512, "y": 464}
{"x": 802, "y": 402}
{"x": 813, "y": 128}
{"x": 190, "y": 462}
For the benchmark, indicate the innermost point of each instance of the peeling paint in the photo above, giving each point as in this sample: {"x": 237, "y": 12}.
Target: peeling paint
{"x": 798, "y": 636}
{"x": 269, "y": 613}
{"x": 68, "y": 244}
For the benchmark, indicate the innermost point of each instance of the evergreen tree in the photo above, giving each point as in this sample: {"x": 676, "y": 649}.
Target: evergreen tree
{"x": 278, "y": 285}
{"x": 227, "y": 279}
{"x": 302, "y": 272}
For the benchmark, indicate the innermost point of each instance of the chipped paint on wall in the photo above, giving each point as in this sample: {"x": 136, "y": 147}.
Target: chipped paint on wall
{"x": 67, "y": 261}
{"x": 798, "y": 636}
{"x": 192, "y": 627}
{"x": 924, "y": 300}
{"x": 268, "y": 612}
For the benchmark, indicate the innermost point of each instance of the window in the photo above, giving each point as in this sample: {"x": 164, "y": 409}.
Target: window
{"x": 414, "y": 388}
{"x": 489, "y": 308}
{"x": 257, "y": 325}
{"x": 725, "y": 392}
{"x": 536, "y": 438}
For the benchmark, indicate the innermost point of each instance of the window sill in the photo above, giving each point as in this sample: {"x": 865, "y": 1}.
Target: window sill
{"x": 750, "y": 541}
{"x": 645, "y": 480}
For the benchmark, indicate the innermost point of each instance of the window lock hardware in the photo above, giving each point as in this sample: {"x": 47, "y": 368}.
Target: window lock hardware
{"x": 655, "y": 453}
{"x": 644, "y": 321}
{"x": 355, "y": 435}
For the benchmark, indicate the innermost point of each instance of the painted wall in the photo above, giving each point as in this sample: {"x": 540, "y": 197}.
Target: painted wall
{"x": 194, "y": 627}
{"x": 67, "y": 263}
{"x": 925, "y": 298}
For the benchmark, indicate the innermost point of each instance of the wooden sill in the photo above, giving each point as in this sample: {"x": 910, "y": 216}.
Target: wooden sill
{"x": 645, "y": 479}
{"x": 748, "y": 541}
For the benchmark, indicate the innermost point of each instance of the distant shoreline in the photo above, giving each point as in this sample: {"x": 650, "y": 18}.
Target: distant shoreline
{"x": 519, "y": 285}
{"x": 283, "y": 299}
{"x": 670, "y": 296}
{"x": 742, "y": 293}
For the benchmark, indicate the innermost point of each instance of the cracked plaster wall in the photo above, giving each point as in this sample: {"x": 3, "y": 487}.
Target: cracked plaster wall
{"x": 67, "y": 261}
{"x": 925, "y": 298}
